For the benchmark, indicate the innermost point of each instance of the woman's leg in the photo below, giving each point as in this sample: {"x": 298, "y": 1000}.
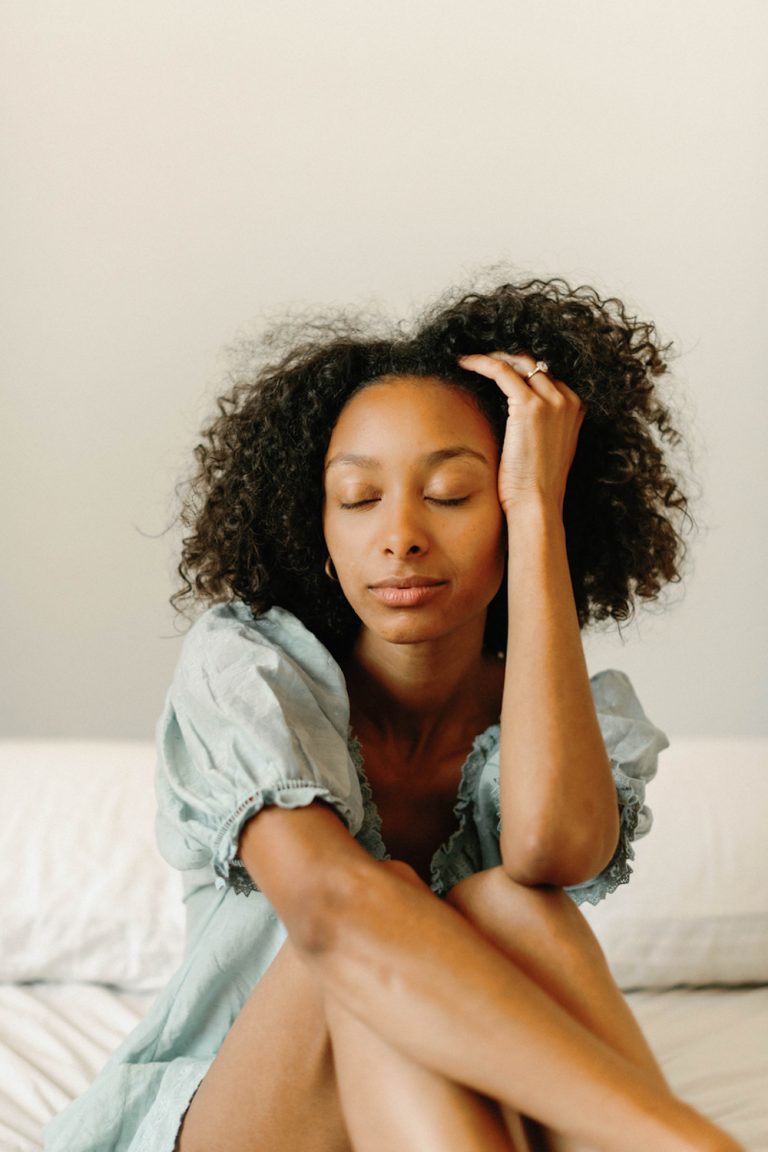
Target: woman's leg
{"x": 272, "y": 1085}
{"x": 545, "y": 935}
{"x": 391, "y": 1102}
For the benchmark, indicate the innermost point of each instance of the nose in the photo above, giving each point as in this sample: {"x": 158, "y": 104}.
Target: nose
{"x": 403, "y": 531}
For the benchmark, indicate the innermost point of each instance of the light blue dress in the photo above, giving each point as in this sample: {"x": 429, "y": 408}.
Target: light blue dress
{"x": 258, "y": 714}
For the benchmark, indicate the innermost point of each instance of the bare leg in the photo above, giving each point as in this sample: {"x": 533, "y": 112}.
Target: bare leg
{"x": 391, "y": 1102}
{"x": 545, "y": 935}
{"x": 272, "y": 1084}
{"x": 288, "y": 1099}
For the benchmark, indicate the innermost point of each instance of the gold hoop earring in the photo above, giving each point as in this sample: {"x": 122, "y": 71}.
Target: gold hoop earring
{"x": 330, "y": 571}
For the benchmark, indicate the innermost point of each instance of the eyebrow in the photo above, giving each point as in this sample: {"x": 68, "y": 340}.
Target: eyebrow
{"x": 431, "y": 459}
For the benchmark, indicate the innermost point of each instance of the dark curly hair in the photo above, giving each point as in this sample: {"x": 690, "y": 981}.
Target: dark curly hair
{"x": 254, "y": 503}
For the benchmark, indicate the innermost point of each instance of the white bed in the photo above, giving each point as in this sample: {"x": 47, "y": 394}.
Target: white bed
{"x": 92, "y": 925}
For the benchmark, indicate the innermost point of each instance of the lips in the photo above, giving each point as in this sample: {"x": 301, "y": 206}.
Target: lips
{"x": 407, "y": 582}
{"x": 406, "y": 591}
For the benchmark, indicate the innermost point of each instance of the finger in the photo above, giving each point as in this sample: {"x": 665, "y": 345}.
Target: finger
{"x": 524, "y": 375}
{"x": 523, "y": 372}
{"x": 496, "y": 367}
{"x": 543, "y": 383}
{"x": 534, "y": 373}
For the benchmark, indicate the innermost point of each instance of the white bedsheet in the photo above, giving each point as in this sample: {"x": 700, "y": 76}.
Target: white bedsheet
{"x": 712, "y": 1043}
{"x": 713, "y": 1047}
{"x": 53, "y": 1040}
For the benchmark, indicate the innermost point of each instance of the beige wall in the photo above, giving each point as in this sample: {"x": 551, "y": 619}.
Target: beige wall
{"x": 175, "y": 170}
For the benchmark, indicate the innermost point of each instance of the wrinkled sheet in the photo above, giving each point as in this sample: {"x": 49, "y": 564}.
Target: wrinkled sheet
{"x": 54, "y": 1038}
{"x": 712, "y": 1043}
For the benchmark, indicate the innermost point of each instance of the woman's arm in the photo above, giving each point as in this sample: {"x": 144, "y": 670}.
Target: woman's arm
{"x": 559, "y": 812}
{"x": 414, "y": 970}
{"x": 560, "y": 820}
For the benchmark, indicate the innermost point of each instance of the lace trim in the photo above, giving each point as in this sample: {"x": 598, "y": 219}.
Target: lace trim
{"x": 618, "y": 870}
{"x": 369, "y": 835}
{"x": 461, "y": 855}
{"x": 239, "y": 879}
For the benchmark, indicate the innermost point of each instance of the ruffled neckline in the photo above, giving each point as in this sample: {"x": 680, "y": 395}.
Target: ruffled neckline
{"x": 447, "y": 866}
{"x": 370, "y": 831}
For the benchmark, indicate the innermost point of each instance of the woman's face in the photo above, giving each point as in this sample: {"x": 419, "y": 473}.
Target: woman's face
{"x": 411, "y": 514}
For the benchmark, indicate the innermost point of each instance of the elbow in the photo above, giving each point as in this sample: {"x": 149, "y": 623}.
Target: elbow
{"x": 328, "y": 907}
{"x": 559, "y": 859}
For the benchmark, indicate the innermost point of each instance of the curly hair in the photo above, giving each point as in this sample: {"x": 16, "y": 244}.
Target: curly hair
{"x": 254, "y": 503}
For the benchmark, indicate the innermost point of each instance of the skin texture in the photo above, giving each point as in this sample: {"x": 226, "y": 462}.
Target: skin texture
{"x": 397, "y": 506}
{"x": 448, "y": 1021}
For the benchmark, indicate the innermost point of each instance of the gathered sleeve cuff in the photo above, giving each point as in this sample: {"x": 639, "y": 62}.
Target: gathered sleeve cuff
{"x": 257, "y": 715}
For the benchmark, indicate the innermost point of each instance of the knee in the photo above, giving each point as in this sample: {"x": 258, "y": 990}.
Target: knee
{"x": 493, "y": 894}
{"x": 500, "y": 907}
{"x": 404, "y": 872}
{"x": 482, "y": 889}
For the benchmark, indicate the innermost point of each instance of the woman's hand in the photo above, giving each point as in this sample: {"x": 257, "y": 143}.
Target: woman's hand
{"x": 543, "y": 424}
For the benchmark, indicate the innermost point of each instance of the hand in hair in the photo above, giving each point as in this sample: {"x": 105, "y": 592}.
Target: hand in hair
{"x": 543, "y": 422}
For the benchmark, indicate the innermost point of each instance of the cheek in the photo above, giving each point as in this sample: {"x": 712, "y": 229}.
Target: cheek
{"x": 496, "y": 566}
{"x": 344, "y": 542}
{"x": 339, "y": 536}
{"x": 492, "y": 561}
{"x": 491, "y": 538}
{"x": 331, "y": 529}
{"x": 495, "y": 555}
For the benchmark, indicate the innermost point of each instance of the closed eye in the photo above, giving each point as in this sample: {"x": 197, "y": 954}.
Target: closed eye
{"x": 358, "y": 503}
{"x": 368, "y": 500}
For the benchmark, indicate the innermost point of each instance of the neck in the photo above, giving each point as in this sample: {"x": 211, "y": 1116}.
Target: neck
{"x": 410, "y": 692}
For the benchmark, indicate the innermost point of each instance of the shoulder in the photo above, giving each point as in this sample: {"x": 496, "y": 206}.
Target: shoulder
{"x": 633, "y": 741}
{"x": 230, "y": 650}
{"x": 612, "y": 691}
{"x": 614, "y": 697}
{"x": 227, "y": 634}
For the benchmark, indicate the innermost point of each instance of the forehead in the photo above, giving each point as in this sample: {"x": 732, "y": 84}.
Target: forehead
{"x": 413, "y": 413}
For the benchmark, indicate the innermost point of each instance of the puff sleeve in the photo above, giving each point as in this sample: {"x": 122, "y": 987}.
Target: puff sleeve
{"x": 257, "y": 714}
{"x": 633, "y": 744}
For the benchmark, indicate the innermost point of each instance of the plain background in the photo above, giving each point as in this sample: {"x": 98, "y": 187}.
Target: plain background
{"x": 176, "y": 172}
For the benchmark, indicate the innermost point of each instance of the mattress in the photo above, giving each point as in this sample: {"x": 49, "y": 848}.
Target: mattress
{"x": 712, "y": 1043}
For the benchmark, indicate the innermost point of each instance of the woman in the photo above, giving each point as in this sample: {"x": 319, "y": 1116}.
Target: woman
{"x": 400, "y": 539}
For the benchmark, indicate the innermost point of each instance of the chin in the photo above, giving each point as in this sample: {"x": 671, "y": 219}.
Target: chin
{"x": 399, "y": 627}
{"x": 415, "y": 628}
{"x": 409, "y": 636}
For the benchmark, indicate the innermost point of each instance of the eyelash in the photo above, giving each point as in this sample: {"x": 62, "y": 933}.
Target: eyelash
{"x": 432, "y": 499}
